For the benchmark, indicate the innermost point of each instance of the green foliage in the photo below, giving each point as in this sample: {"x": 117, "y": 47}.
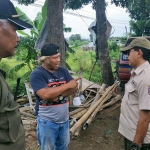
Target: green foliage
{"x": 114, "y": 55}
{"x": 26, "y": 52}
{"x": 26, "y": 2}
{"x": 76, "y": 41}
{"x": 77, "y": 4}
{"x": 121, "y": 3}
{"x": 26, "y": 55}
{"x": 23, "y": 16}
{"x": 14, "y": 69}
{"x": 123, "y": 40}
{"x": 141, "y": 27}
{"x": 6, "y": 67}
{"x": 75, "y": 37}
{"x": 84, "y": 60}
{"x": 27, "y": 58}
{"x": 66, "y": 29}
{"x": 11, "y": 78}
{"x": 118, "y": 40}
{"x": 91, "y": 37}
{"x": 139, "y": 13}
{"x": 112, "y": 46}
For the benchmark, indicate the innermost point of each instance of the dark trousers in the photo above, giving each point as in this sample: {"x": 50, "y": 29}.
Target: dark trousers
{"x": 128, "y": 143}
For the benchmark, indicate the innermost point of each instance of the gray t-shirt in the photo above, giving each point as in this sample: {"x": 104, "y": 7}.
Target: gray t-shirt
{"x": 41, "y": 78}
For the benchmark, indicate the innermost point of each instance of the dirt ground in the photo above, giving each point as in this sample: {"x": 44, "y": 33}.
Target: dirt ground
{"x": 102, "y": 134}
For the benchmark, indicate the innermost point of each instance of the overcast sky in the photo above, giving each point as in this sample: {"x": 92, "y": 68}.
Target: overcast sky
{"x": 117, "y": 17}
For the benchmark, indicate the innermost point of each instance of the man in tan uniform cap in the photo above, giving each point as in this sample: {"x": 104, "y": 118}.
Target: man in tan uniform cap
{"x": 135, "y": 108}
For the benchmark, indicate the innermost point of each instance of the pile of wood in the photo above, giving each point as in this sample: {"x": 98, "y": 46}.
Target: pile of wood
{"x": 97, "y": 98}
{"x": 24, "y": 99}
{"x": 29, "y": 122}
{"x": 104, "y": 98}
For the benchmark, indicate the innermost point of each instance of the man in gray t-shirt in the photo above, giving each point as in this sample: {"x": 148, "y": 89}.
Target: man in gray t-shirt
{"x": 52, "y": 85}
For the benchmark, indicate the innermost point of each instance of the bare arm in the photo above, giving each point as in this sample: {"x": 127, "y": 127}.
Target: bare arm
{"x": 54, "y": 92}
{"x": 142, "y": 127}
{"x": 70, "y": 91}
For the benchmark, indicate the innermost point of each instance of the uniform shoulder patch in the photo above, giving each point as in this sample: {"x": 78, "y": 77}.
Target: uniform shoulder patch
{"x": 149, "y": 90}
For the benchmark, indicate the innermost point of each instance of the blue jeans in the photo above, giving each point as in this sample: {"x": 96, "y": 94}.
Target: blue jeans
{"x": 53, "y": 136}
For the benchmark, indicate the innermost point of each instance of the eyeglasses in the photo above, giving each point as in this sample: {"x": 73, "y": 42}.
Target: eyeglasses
{"x": 129, "y": 51}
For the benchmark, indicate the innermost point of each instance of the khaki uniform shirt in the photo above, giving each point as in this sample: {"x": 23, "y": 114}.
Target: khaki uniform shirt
{"x": 136, "y": 98}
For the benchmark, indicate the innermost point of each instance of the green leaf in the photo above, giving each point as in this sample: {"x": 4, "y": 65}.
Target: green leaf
{"x": 26, "y": 75}
{"x": 37, "y": 21}
{"x": 23, "y": 16}
{"x": 16, "y": 68}
{"x": 67, "y": 29}
{"x": 44, "y": 12}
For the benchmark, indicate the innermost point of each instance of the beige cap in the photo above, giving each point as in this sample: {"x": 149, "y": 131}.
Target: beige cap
{"x": 138, "y": 42}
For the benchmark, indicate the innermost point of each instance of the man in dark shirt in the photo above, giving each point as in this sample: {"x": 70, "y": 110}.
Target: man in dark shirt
{"x": 52, "y": 85}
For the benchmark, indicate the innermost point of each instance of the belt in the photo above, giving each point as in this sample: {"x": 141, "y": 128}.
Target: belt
{"x": 145, "y": 147}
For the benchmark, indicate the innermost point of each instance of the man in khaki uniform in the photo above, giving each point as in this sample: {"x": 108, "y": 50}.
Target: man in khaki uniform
{"x": 135, "y": 108}
{"x": 12, "y": 135}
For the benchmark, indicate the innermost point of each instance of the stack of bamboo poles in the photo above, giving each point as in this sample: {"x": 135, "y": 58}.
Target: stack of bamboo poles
{"x": 29, "y": 123}
{"x": 82, "y": 117}
{"x": 24, "y": 100}
{"x": 96, "y": 100}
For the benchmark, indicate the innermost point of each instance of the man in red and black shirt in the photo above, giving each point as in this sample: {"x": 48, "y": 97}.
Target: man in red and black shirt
{"x": 52, "y": 85}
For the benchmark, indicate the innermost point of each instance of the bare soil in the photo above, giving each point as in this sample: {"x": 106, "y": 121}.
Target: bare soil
{"x": 102, "y": 134}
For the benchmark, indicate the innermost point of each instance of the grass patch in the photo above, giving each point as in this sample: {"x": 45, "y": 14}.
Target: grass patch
{"x": 11, "y": 62}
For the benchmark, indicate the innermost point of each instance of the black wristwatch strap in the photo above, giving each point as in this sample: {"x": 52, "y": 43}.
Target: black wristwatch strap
{"x": 134, "y": 146}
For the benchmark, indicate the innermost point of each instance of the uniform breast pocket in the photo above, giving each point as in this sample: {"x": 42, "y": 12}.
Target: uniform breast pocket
{"x": 132, "y": 95}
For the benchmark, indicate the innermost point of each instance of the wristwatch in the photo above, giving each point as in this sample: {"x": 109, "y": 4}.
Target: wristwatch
{"x": 60, "y": 97}
{"x": 134, "y": 146}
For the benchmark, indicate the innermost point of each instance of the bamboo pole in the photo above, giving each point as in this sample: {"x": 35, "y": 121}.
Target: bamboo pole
{"x": 79, "y": 109}
{"x": 88, "y": 96}
{"x": 25, "y": 99}
{"x": 93, "y": 114}
{"x": 87, "y": 114}
{"x": 99, "y": 94}
{"x": 27, "y": 115}
{"x": 80, "y": 82}
{"x": 75, "y": 111}
{"x": 92, "y": 91}
{"x": 88, "y": 122}
{"x": 116, "y": 106}
{"x": 79, "y": 114}
{"x": 77, "y": 133}
{"x": 113, "y": 101}
{"x": 81, "y": 106}
{"x": 71, "y": 99}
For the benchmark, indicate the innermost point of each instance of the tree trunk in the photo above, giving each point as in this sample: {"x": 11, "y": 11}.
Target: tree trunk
{"x": 55, "y": 26}
{"x": 102, "y": 45}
